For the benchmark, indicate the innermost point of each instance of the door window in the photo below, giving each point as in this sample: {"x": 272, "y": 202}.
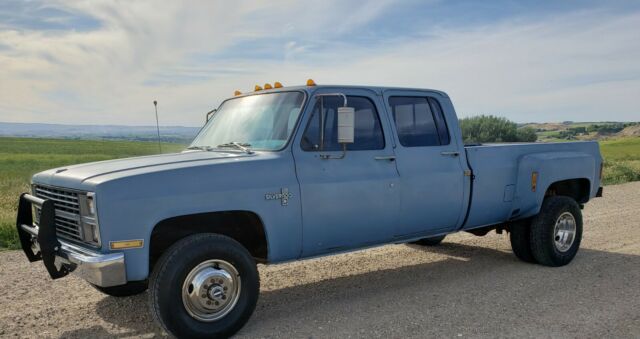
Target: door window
{"x": 368, "y": 130}
{"x": 419, "y": 121}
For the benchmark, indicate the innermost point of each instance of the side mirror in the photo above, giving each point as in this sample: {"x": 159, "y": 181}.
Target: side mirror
{"x": 346, "y": 124}
{"x": 210, "y": 113}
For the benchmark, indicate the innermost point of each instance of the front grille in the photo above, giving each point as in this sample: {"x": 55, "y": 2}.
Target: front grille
{"x": 67, "y": 208}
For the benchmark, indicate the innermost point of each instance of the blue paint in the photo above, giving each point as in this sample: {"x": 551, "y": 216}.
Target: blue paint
{"x": 336, "y": 205}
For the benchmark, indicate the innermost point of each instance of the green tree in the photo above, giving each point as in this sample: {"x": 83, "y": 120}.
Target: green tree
{"x": 526, "y": 134}
{"x": 489, "y": 128}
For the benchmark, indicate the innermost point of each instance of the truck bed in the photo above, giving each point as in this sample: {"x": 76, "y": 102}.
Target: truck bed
{"x": 501, "y": 188}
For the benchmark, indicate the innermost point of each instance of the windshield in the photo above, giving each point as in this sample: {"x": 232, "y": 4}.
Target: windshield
{"x": 256, "y": 122}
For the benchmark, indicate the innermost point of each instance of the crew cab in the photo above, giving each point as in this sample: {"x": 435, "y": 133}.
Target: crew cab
{"x": 288, "y": 173}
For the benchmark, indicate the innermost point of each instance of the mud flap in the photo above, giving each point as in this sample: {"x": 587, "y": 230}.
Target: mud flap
{"x": 599, "y": 193}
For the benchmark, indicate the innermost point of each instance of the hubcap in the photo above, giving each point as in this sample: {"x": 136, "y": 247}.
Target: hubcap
{"x": 564, "y": 232}
{"x": 211, "y": 290}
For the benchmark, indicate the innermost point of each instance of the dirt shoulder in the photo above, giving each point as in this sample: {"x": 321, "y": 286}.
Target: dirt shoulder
{"x": 468, "y": 287}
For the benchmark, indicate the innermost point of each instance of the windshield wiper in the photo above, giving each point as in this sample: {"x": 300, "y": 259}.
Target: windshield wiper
{"x": 202, "y": 148}
{"x": 241, "y": 146}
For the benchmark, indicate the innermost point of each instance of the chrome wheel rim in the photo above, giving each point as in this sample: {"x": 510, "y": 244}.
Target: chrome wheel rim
{"x": 211, "y": 290}
{"x": 564, "y": 232}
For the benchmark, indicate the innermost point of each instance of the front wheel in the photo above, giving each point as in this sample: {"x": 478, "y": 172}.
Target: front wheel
{"x": 204, "y": 286}
{"x": 556, "y": 231}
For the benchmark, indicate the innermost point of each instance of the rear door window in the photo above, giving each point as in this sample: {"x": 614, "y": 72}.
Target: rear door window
{"x": 419, "y": 121}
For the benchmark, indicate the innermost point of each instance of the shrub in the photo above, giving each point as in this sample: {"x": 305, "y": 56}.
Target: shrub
{"x": 618, "y": 172}
{"x": 489, "y": 128}
{"x": 526, "y": 134}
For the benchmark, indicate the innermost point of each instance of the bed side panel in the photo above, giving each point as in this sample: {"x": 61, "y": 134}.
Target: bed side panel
{"x": 502, "y": 183}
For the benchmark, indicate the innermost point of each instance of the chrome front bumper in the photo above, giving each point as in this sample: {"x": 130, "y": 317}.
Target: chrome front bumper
{"x": 59, "y": 257}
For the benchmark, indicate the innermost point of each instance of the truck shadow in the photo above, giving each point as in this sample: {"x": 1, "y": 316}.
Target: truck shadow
{"x": 471, "y": 290}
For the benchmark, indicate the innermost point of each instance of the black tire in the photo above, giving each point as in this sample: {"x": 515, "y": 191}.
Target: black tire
{"x": 543, "y": 245}
{"x": 431, "y": 241}
{"x": 126, "y": 290}
{"x": 173, "y": 267}
{"x": 520, "y": 237}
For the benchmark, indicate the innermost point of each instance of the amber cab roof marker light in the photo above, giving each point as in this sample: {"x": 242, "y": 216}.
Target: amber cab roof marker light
{"x": 267, "y": 86}
{"x": 257, "y": 88}
{"x": 310, "y": 82}
{"x": 277, "y": 84}
{"x": 236, "y": 93}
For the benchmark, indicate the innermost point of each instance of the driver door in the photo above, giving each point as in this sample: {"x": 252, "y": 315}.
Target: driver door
{"x": 354, "y": 201}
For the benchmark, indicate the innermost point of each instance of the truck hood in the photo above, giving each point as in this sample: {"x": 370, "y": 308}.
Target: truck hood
{"x": 76, "y": 176}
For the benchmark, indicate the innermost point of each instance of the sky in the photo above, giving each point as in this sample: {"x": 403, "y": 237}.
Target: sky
{"x": 104, "y": 62}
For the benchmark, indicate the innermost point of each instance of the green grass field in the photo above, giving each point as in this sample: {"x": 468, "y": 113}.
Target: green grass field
{"x": 621, "y": 160}
{"x": 20, "y": 158}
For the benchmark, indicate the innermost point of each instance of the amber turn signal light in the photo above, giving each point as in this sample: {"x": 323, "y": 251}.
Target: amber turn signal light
{"x": 124, "y": 244}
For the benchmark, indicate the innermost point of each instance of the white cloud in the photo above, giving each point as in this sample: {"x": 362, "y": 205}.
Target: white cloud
{"x": 581, "y": 66}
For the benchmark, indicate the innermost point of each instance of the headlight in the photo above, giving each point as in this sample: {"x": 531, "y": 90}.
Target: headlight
{"x": 89, "y": 218}
{"x": 91, "y": 204}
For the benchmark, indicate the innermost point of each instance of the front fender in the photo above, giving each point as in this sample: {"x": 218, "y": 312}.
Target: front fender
{"x": 130, "y": 207}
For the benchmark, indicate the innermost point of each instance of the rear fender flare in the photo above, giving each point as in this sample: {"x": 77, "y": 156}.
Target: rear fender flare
{"x": 550, "y": 167}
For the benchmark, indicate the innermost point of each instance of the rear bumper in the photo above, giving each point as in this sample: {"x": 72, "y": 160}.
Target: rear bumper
{"x": 39, "y": 242}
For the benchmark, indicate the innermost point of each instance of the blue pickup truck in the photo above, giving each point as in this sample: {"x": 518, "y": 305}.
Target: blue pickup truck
{"x": 287, "y": 173}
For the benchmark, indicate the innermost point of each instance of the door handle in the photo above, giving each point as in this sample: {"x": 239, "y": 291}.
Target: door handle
{"x": 450, "y": 154}
{"x": 386, "y": 157}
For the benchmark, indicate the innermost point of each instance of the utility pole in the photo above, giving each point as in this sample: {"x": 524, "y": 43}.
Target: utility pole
{"x": 155, "y": 103}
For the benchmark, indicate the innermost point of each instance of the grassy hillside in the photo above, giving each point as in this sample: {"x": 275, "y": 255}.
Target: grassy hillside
{"x": 619, "y": 143}
{"x": 568, "y": 130}
{"x": 20, "y": 158}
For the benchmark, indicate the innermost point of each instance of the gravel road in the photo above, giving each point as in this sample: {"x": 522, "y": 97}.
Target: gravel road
{"x": 468, "y": 287}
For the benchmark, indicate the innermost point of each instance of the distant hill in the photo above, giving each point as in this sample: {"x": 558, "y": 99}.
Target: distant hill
{"x": 570, "y": 130}
{"x": 631, "y": 131}
{"x": 551, "y": 131}
{"x": 179, "y": 134}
